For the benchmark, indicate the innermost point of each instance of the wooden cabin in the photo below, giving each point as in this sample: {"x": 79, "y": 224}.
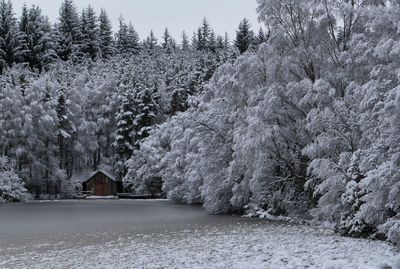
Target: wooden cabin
{"x": 102, "y": 183}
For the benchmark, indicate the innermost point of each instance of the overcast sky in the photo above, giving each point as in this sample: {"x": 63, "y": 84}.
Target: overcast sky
{"x": 177, "y": 15}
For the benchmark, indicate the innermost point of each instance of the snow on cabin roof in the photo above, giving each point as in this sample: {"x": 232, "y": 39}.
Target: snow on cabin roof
{"x": 108, "y": 174}
{"x": 85, "y": 175}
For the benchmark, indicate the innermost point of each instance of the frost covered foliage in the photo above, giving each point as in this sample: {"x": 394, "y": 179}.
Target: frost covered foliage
{"x": 12, "y": 188}
{"x": 308, "y": 126}
{"x": 74, "y": 98}
{"x": 80, "y": 116}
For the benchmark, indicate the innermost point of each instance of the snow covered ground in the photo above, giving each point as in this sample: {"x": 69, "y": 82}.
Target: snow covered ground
{"x": 220, "y": 243}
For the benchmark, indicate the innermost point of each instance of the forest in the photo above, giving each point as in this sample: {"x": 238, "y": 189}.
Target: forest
{"x": 299, "y": 120}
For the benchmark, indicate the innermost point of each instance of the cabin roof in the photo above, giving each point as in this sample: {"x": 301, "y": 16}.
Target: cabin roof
{"x": 86, "y": 175}
{"x": 109, "y": 175}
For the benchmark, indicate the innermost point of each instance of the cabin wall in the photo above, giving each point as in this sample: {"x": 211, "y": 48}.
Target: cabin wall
{"x": 101, "y": 185}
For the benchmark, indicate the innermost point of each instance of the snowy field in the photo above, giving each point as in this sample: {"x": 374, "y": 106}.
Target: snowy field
{"x": 164, "y": 235}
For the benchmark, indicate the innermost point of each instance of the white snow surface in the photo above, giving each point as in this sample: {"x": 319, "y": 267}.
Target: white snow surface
{"x": 236, "y": 246}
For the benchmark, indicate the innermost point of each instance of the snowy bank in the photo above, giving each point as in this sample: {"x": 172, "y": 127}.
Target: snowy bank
{"x": 255, "y": 245}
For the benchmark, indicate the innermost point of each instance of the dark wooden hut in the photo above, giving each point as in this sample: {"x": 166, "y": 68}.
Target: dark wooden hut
{"x": 101, "y": 183}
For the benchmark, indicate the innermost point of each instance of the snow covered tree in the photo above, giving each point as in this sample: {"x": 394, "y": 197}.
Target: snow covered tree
{"x": 201, "y": 37}
{"x": 122, "y": 36}
{"x": 105, "y": 35}
{"x": 205, "y": 31}
{"x": 244, "y": 36}
{"x": 127, "y": 38}
{"x": 90, "y": 33}
{"x": 261, "y": 36}
{"x": 212, "y": 44}
{"x": 37, "y": 38}
{"x": 12, "y": 187}
{"x": 146, "y": 103}
{"x": 11, "y": 39}
{"x": 169, "y": 43}
{"x": 133, "y": 40}
{"x": 220, "y": 42}
{"x": 66, "y": 132}
{"x": 185, "y": 41}
{"x": 151, "y": 41}
{"x": 167, "y": 39}
{"x": 124, "y": 140}
{"x": 68, "y": 32}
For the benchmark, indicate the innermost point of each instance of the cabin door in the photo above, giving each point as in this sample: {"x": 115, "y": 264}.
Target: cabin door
{"x": 102, "y": 187}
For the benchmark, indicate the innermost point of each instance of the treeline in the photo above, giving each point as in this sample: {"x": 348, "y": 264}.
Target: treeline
{"x": 307, "y": 127}
{"x": 32, "y": 40}
{"x": 76, "y": 96}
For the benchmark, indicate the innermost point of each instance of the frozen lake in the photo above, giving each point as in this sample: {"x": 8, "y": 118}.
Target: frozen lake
{"x": 160, "y": 234}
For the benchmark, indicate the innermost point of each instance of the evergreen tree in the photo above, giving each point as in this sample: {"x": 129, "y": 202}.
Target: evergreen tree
{"x": 11, "y": 39}
{"x": 68, "y": 31}
{"x": 197, "y": 40}
{"x": 205, "y": 31}
{"x": 169, "y": 43}
{"x": 185, "y": 41}
{"x": 261, "y": 37}
{"x": 151, "y": 41}
{"x": 66, "y": 130}
{"x": 23, "y": 24}
{"x": 105, "y": 35}
{"x": 212, "y": 43}
{"x": 124, "y": 140}
{"x": 244, "y": 36}
{"x": 133, "y": 40}
{"x": 122, "y": 36}
{"x": 127, "y": 38}
{"x": 220, "y": 42}
{"x": 146, "y": 103}
{"x": 36, "y": 33}
{"x": 226, "y": 41}
{"x": 23, "y": 21}
{"x": 167, "y": 39}
{"x": 203, "y": 36}
{"x": 90, "y": 33}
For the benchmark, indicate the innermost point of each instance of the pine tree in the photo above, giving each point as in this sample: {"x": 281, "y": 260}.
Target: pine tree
{"x": 123, "y": 144}
{"x": 105, "y": 35}
{"x": 212, "y": 43}
{"x": 68, "y": 31}
{"x": 23, "y": 25}
{"x": 24, "y": 20}
{"x": 261, "y": 37}
{"x": 90, "y": 33}
{"x": 151, "y": 41}
{"x": 205, "y": 31}
{"x": 166, "y": 39}
{"x": 197, "y": 40}
{"x": 226, "y": 42}
{"x": 185, "y": 41}
{"x": 11, "y": 39}
{"x": 146, "y": 103}
{"x": 66, "y": 130}
{"x": 220, "y": 42}
{"x": 122, "y": 36}
{"x": 169, "y": 43}
{"x": 133, "y": 40}
{"x": 244, "y": 36}
{"x": 36, "y": 33}
{"x": 127, "y": 38}
{"x": 202, "y": 37}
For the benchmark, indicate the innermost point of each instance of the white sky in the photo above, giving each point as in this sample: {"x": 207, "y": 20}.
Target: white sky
{"x": 177, "y": 15}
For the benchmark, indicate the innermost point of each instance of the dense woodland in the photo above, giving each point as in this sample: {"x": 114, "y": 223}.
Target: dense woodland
{"x": 76, "y": 96}
{"x": 301, "y": 120}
